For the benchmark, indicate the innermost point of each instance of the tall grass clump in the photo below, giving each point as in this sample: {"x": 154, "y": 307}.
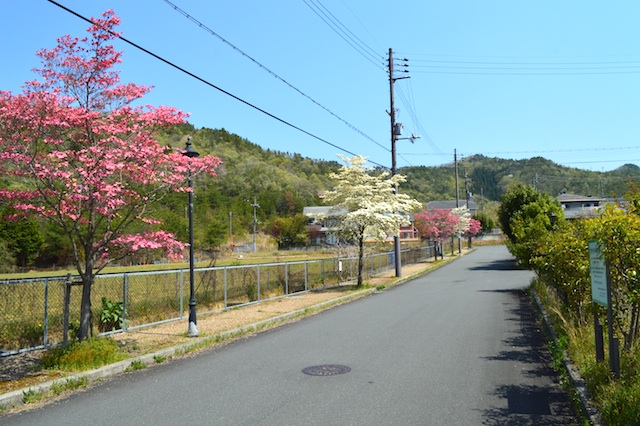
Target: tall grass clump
{"x": 618, "y": 400}
{"x": 85, "y": 355}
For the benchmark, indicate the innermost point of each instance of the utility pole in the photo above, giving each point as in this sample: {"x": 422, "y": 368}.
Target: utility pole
{"x": 255, "y": 205}
{"x": 455, "y": 162}
{"x": 455, "y": 166}
{"x": 395, "y": 132}
{"x": 468, "y": 193}
{"x": 466, "y": 187}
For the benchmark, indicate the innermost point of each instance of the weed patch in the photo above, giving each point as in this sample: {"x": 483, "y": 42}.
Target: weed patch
{"x": 82, "y": 356}
{"x": 617, "y": 400}
{"x": 59, "y": 387}
{"x": 136, "y": 364}
{"x": 31, "y": 395}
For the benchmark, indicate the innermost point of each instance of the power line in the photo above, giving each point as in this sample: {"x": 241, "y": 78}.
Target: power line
{"x": 523, "y": 63}
{"x": 525, "y": 66}
{"x": 421, "y": 130}
{"x": 202, "y": 80}
{"x": 255, "y": 61}
{"x": 520, "y": 58}
{"x": 525, "y": 71}
{"x": 550, "y": 151}
{"x": 363, "y": 26}
{"x": 345, "y": 34}
{"x": 352, "y": 36}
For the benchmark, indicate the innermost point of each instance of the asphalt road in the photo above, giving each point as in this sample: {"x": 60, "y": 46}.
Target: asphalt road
{"x": 458, "y": 346}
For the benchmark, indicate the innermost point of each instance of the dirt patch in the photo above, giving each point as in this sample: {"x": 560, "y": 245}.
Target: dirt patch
{"x": 147, "y": 340}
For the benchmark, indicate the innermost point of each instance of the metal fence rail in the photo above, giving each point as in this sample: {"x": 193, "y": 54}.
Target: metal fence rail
{"x": 32, "y": 311}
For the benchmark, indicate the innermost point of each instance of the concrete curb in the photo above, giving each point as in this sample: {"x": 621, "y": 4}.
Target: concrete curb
{"x": 578, "y": 383}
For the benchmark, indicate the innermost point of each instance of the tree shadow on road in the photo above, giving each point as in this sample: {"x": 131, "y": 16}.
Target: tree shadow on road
{"x": 529, "y": 344}
{"x": 498, "y": 265}
{"x": 528, "y": 402}
{"x": 531, "y": 405}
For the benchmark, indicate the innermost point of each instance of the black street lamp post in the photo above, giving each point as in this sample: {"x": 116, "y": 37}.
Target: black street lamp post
{"x": 193, "y": 328}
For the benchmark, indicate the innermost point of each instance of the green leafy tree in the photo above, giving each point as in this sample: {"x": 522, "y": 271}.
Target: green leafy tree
{"x": 486, "y": 221}
{"x": 373, "y": 209}
{"x": 525, "y": 218}
{"x": 563, "y": 263}
{"x": 290, "y": 231}
{"x": 215, "y": 235}
{"x": 57, "y": 248}
{"x": 7, "y": 261}
{"x": 23, "y": 237}
{"x": 618, "y": 232}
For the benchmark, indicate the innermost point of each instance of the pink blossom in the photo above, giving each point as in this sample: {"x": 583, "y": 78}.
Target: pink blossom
{"x": 437, "y": 224}
{"x": 70, "y": 136}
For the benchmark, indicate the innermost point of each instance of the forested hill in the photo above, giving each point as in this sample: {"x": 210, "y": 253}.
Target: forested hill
{"x": 285, "y": 182}
{"x": 492, "y": 176}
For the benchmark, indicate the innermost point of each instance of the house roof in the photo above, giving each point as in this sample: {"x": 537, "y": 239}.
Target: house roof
{"x": 573, "y": 198}
{"x": 331, "y": 211}
{"x": 326, "y": 210}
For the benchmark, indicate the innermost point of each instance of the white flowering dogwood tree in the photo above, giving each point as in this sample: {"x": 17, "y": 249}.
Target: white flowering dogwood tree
{"x": 372, "y": 207}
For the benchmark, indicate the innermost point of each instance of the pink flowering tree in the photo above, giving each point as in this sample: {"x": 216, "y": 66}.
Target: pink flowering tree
{"x": 436, "y": 224}
{"x": 81, "y": 154}
{"x": 474, "y": 228}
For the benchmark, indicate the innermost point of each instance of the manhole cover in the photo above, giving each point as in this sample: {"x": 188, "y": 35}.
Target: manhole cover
{"x": 326, "y": 370}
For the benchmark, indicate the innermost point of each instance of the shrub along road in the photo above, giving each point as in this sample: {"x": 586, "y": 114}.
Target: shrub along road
{"x": 458, "y": 346}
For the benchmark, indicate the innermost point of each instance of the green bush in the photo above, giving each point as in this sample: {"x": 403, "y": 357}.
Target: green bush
{"x": 111, "y": 316}
{"x": 618, "y": 400}
{"x": 80, "y": 356}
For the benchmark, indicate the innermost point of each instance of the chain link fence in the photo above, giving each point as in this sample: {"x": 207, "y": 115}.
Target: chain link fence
{"x": 36, "y": 313}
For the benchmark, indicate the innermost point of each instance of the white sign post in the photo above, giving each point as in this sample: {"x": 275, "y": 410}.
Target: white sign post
{"x": 598, "y": 275}
{"x": 601, "y": 294}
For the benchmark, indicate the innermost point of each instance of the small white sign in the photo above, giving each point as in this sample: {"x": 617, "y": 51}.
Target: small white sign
{"x": 598, "y": 274}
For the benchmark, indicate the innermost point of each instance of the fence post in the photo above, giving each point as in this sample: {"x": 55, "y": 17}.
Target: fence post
{"x": 46, "y": 313}
{"x": 65, "y": 315}
{"x": 125, "y": 300}
{"x": 286, "y": 279}
{"x": 181, "y": 293}
{"x": 258, "y": 283}
{"x": 306, "y": 276}
{"x": 372, "y": 263}
{"x": 225, "y": 287}
{"x": 323, "y": 279}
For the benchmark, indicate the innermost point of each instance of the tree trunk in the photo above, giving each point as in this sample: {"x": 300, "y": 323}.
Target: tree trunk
{"x": 85, "y": 309}
{"x": 633, "y": 327}
{"x": 360, "y": 258}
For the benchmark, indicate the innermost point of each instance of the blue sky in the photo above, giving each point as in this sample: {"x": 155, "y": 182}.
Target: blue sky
{"x": 508, "y": 79}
